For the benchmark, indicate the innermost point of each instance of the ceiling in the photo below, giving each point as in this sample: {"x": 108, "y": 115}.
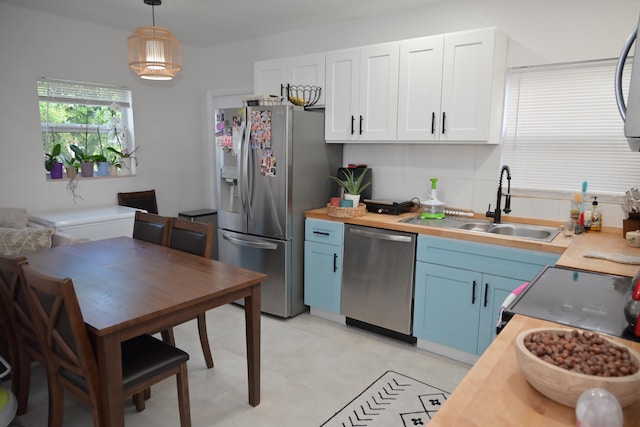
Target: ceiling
{"x": 205, "y": 23}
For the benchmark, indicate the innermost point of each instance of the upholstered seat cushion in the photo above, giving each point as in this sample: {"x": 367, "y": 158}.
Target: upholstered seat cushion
{"x": 142, "y": 357}
{"x": 14, "y": 241}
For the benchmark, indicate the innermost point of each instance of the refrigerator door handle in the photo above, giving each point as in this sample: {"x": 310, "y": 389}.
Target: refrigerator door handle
{"x": 381, "y": 236}
{"x": 244, "y": 166}
{"x": 250, "y": 243}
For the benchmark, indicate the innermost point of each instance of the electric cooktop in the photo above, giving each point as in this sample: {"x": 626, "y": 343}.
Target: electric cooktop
{"x": 577, "y": 298}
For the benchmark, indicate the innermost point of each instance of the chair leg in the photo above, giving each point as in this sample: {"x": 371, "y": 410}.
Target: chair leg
{"x": 182, "y": 380}
{"x": 204, "y": 340}
{"x": 139, "y": 401}
{"x": 21, "y": 379}
{"x": 168, "y": 337}
{"x": 56, "y": 401}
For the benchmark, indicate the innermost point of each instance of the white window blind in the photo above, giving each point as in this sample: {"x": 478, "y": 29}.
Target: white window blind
{"x": 63, "y": 91}
{"x": 562, "y": 127}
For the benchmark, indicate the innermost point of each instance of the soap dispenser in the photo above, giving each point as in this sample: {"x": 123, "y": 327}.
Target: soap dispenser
{"x": 596, "y": 216}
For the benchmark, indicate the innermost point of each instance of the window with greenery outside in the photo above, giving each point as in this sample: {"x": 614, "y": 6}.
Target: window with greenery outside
{"x": 90, "y": 122}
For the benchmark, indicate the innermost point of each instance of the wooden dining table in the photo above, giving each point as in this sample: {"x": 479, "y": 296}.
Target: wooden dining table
{"x": 128, "y": 287}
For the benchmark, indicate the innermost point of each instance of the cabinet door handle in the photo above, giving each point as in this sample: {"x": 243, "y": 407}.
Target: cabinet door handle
{"x": 324, "y": 233}
{"x": 281, "y": 89}
{"x": 473, "y": 293}
{"x": 335, "y": 262}
{"x": 486, "y": 296}
{"x": 433, "y": 123}
{"x": 353, "y": 120}
{"x": 361, "y": 119}
{"x": 444, "y": 117}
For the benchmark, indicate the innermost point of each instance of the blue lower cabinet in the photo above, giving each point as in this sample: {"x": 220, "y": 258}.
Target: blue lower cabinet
{"x": 323, "y": 276}
{"x": 460, "y": 286}
{"x": 323, "y": 264}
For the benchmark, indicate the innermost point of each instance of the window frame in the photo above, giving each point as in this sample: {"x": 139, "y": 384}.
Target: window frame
{"x": 117, "y": 98}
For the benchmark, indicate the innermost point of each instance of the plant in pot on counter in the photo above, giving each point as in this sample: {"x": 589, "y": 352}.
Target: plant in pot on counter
{"x": 352, "y": 186}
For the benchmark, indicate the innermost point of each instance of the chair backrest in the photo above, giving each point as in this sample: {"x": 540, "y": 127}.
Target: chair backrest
{"x": 13, "y": 296}
{"x": 151, "y": 228}
{"x": 139, "y": 199}
{"x": 192, "y": 237}
{"x": 62, "y": 332}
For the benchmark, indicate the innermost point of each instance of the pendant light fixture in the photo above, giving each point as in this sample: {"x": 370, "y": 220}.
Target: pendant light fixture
{"x": 154, "y": 52}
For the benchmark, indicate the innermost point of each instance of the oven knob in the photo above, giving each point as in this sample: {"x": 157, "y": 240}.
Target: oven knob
{"x": 380, "y": 210}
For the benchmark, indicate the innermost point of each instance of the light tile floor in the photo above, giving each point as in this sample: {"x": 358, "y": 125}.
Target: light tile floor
{"x": 311, "y": 368}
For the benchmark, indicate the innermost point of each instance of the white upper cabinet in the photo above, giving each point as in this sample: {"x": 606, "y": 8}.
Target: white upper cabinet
{"x": 362, "y": 93}
{"x": 420, "y": 89}
{"x": 446, "y": 88}
{"x": 272, "y": 77}
{"x": 448, "y": 85}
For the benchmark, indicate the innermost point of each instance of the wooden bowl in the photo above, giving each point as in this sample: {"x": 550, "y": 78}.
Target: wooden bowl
{"x": 564, "y": 386}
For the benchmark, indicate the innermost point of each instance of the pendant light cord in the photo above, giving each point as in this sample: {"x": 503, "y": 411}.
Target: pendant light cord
{"x": 153, "y": 13}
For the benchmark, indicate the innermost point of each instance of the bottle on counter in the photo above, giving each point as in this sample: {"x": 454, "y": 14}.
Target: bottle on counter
{"x": 596, "y": 216}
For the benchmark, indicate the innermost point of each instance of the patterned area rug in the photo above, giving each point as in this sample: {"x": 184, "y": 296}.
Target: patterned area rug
{"x": 392, "y": 400}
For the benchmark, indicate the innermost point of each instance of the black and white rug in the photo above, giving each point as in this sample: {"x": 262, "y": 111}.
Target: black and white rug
{"x": 392, "y": 400}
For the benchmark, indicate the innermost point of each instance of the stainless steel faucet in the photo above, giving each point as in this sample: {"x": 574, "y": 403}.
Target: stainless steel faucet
{"x": 496, "y": 215}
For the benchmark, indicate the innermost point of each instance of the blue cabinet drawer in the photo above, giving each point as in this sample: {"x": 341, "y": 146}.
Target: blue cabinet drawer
{"x": 328, "y": 232}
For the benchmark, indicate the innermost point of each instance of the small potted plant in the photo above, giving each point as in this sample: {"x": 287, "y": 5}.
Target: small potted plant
{"x": 114, "y": 165}
{"x": 52, "y": 162}
{"x": 352, "y": 186}
{"x": 123, "y": 157}
{"x": 86, "y": 161}
{"x": 71, "y": 166}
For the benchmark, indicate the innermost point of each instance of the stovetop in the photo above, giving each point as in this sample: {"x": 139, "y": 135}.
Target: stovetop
{"x": 577, "y": 298}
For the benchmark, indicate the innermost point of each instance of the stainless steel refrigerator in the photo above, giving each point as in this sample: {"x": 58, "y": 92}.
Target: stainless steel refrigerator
{"x": 272, "y": 164}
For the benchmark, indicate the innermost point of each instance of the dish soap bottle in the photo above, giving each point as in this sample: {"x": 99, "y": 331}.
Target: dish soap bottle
{"x": 433, "y": 208}
{"x": 596, "y": 216}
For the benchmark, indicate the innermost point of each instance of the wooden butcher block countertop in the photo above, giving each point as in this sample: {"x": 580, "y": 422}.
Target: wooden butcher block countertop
{"x": 495, "y": 393}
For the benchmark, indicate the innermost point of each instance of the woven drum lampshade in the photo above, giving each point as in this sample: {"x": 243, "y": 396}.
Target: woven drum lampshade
{"x": 154, "y": 52}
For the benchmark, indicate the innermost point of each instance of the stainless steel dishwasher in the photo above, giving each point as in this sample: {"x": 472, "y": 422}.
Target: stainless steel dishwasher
{"x": 377, "y": 281}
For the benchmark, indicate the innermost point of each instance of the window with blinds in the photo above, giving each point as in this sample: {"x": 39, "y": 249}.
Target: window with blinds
{"x": 96, "y": 118}
{"x": 562, "y": 127}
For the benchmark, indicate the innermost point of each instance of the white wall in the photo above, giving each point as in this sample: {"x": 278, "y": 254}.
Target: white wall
{"x": 171, "y": 117}
{"x": 168, "y": 116}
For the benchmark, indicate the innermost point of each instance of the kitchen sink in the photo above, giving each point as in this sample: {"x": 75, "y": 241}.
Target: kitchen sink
{"x": 476, "y": 226}
{"x": 523, "y": 231}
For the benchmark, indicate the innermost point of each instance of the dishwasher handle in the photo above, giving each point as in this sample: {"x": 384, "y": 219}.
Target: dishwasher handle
{"x": 382, "y": 236}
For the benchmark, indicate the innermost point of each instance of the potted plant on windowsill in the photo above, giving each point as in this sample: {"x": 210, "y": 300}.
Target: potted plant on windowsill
{"x": 71, "y": 166}
{"x": 353, "y": 187}
{"x": 52, "y": 162}
{"x": 86, "y": 161}
{"x": 124, "y": 158}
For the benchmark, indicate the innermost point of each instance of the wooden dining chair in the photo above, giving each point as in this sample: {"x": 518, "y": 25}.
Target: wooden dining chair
{"x": 195, "y": 238}
{"x": 23, "y": 337}
{"x": 72, "y": 363}
{"x": 140, "y": 200}
{"x": 152, "y": 228}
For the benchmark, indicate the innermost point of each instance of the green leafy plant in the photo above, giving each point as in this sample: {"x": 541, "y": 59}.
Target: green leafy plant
{"x": 81, "y": 156}
{"x": 52, "y": 157}
{"x": 70, "y": 161}
{"x": 124, "y": 154}
{"x": 352, "y": 185}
